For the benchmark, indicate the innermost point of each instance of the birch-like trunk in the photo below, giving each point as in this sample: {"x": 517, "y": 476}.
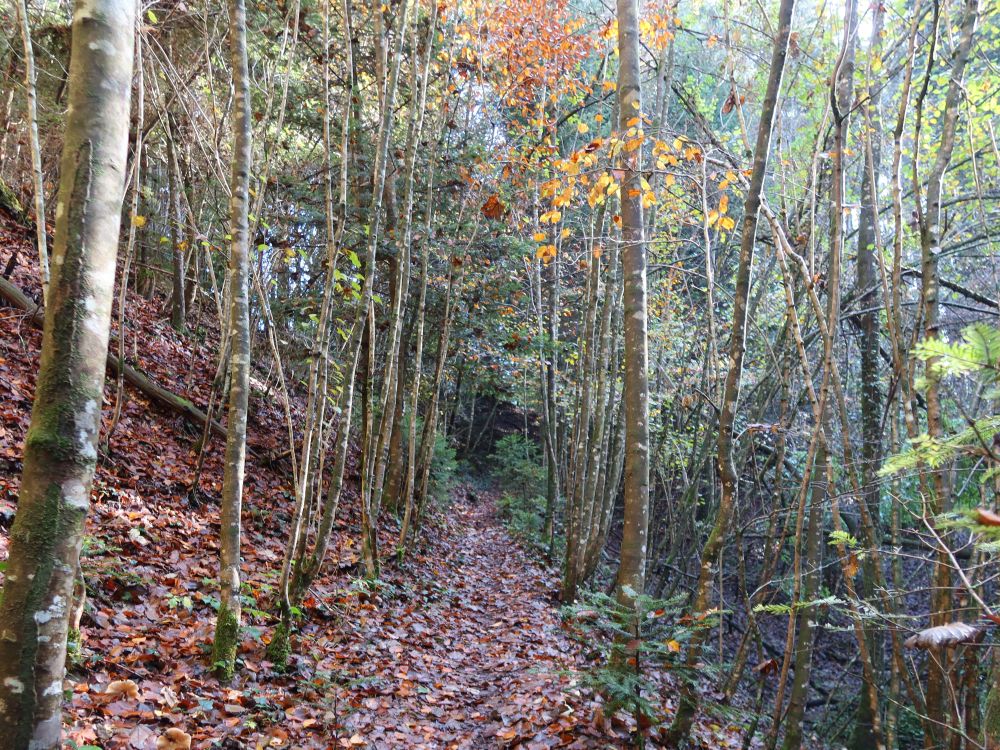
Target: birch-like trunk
{"x": 37, "y": 177}
{"x": 227, "y": 626}
{"x": 632, "y": 570}
{"x": 60, "y": 451}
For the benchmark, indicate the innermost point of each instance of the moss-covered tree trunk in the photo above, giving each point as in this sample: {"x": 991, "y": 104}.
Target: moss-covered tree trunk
{"x": 228, "y": 624}
{"x": 61, "y": 446}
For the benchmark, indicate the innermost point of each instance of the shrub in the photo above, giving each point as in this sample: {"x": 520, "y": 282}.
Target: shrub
{"x": 626, "y": 646}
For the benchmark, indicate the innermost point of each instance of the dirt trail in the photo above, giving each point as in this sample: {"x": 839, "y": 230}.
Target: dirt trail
{"x": 477, "y": 659}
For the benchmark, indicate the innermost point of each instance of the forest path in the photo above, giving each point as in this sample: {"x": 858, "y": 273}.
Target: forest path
{"x": 477, "y": 657}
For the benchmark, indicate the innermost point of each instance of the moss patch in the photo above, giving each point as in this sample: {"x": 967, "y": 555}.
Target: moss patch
{"x": 280, "y": 647}
{"x": 227, "y": 633}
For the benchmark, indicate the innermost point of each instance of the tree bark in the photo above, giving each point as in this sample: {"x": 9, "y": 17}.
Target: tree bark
{"x": 631, "y": 577}
{"x": 681, "y": 726}
{"x": 228, "y": 622}
{"x": 37, "y": 176}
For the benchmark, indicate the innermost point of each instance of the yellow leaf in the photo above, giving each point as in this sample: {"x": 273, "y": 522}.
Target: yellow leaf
{"x": 138, "y": 221}
{"x": 727, "y": 223}
{"x": 582, "y": 128}
{"x": 546, "y": 253}
{"x": 669, "y": 180}
{"x": 724, "y": 204}
{"x": 565, "y": 233}
{"x": 673, "y": 646}
{"x": 713, "y": 216}
{"x": 539, "y": 236}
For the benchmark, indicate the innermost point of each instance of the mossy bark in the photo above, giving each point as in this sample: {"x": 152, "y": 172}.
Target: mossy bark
{"x": 280, "y": 648}
{"x": 227, "y": 641}
{"x": 61, "y": 446}
{"x": 991, "y": 711}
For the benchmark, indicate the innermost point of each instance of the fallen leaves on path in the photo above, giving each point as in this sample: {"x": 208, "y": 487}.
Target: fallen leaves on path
{"x": 459, "y": 647}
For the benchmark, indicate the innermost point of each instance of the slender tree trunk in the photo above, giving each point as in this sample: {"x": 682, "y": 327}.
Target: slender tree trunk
{"x": 681, "y": 727}
{"x": 866, "y": 286}
{"x": 429, "y": 433}
{"x": 631, "y": 577}
{"x": 227, "y": 629}
{"x": 175, "y": 219}
{"x": 929, "y": 217}
{"x": 60, "y": 451}
{"x": 418, "y": 359}
{"x": 812, "y": 554}
{"x": 368, "y": 499}
{"x": 38, "y": 178}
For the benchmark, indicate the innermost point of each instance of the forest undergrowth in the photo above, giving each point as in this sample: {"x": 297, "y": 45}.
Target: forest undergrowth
{"x": 461, "y": 646}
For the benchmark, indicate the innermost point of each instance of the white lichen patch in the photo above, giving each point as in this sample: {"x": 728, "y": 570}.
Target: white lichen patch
{"x": 14, "y": 685}
{"x": 55, "y": 688}
{"x": 55, "y": 610}
{"x": 105, "y": 46}
{"x": 86, "y": 423}
{"x": 93, "y": 319}
{"x": 75, "y": 494}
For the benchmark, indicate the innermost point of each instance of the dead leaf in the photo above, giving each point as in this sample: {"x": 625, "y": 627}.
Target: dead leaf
{"x": 985, "y": 517}
{"x": 493, "y": 208}
{"x": 174, "y": 739}
{"x": 945, "y": 635}
{"x": 123, "y": 688}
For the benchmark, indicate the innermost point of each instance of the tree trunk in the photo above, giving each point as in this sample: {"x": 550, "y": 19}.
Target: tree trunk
{"x": 60, "y": 451}
{"x": 929, "y": 216}
{"x": 812, "y": 554}
{"x": 38, "y": 178}
{"x": 175, "y": 221}
{"x": 631, "y": 577}
{"x": 866, "y": 287}
{"x": 228, "y": 623}
{"x": 684, "y": 717}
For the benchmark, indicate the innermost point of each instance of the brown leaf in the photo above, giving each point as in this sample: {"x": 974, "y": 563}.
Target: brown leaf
{"x": 141, "y": 738}
{"x": 174, "y": 739}
{"x": 730, "y": 102}
{"x": 123, "y": 688}
{"x": 768, "y": 666}
{"x": 493, "y": 208}
{"x": 945, "y": 635}
{"x": 985, "y": 517}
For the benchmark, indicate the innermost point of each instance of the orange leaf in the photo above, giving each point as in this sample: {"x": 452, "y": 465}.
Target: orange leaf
{"x": 493, "y": 208}
{"x": 986, "y": 517}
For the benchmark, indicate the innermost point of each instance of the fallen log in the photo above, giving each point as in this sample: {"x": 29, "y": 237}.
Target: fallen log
{"x": 138, "y": 380}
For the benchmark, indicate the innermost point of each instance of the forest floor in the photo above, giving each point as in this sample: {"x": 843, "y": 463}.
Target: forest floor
{"x": 459, "y": 646}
